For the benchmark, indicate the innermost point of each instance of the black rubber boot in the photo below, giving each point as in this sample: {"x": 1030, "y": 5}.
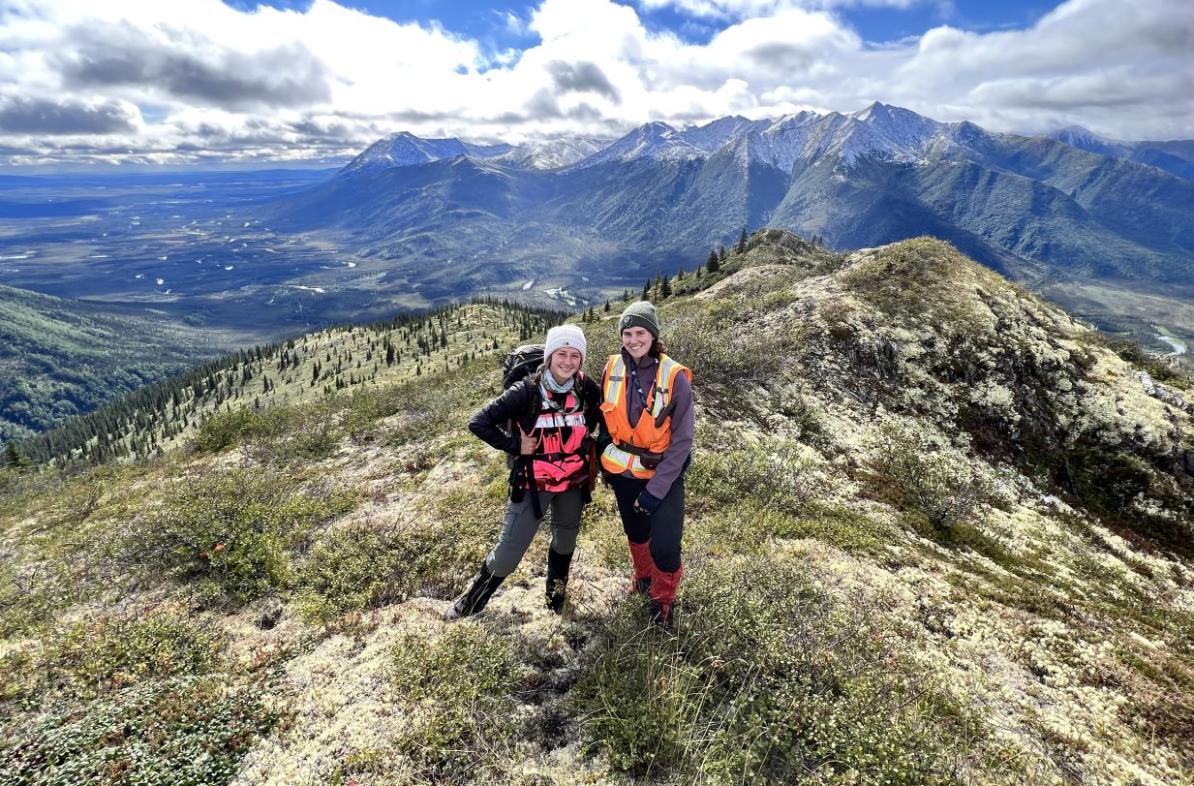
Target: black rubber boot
{"x": 475, "y": 597}
{"x": 557, "y": 579}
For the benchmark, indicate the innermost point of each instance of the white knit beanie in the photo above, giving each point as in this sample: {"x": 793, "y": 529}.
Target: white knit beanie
{"x": 564, "y": 336}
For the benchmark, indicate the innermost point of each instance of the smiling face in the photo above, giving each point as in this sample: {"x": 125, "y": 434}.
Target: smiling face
{"x": 637, "y": 341}
{"x": 564, "y": 363}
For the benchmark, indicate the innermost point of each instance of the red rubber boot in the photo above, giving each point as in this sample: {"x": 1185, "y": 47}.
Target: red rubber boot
{"x": 642, "y": 565}
{"x": 663, "y": 595}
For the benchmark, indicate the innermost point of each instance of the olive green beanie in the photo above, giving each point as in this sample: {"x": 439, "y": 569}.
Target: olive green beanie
{"x": 640, "y": 314}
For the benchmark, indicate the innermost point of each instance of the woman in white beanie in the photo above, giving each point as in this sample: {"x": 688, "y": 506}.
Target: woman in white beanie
{"x": 544, "y": 422}
{"x": 646, "y": 449}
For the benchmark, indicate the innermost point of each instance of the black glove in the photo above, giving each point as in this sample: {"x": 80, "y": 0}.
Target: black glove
{"x": 647, "y": 503}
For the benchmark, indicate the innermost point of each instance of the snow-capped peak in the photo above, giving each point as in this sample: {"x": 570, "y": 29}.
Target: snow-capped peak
{"x": 1085, "y": 139}
{"x": 713, "y": 135}
{"x": 656, "y": 140}
{"x": 552, "y": 153}
{"x": 405, "y": 149}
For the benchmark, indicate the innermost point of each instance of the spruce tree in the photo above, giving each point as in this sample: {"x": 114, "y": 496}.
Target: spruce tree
{"x": 13, "y": 457}
{"x": 742, "y": 242}
{"x": 711, "y": 263}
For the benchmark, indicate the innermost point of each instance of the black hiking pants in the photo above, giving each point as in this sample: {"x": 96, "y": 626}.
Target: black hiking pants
{"x": 664, "y": 528}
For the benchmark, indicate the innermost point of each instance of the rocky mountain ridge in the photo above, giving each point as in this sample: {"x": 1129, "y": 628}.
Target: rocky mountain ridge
{"x": 1047, "y": 213}
{"x": 879, "y": 130}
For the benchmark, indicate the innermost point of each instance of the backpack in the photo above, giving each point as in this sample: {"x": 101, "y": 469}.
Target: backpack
{"x": 521, "y": 362}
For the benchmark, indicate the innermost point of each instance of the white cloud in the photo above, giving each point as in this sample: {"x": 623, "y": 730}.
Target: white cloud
{"x": 744, "y": 9}
{"x": 179, "y": 79}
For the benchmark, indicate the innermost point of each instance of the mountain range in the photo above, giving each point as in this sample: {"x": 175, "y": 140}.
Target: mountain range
{"x": 1104, "y": 228}
{"x": 488, "y": 216}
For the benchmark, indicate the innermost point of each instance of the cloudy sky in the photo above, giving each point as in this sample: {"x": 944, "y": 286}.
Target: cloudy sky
{"x": 195, "y": 81}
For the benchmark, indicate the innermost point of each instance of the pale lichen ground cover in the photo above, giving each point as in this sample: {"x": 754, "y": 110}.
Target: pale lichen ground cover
{"x": 1066, "y": 637}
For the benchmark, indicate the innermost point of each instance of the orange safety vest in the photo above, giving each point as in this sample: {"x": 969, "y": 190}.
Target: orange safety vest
{"x": 653, "y": 432}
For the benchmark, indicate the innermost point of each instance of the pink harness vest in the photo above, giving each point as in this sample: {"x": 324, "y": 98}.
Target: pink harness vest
{"x": 558, "y": 464}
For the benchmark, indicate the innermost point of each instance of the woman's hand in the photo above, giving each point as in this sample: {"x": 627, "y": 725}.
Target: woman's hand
{"x": 529, "y": 444}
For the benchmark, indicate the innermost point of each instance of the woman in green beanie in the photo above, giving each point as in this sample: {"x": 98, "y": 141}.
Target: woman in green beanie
{"x": 648, "y": 430}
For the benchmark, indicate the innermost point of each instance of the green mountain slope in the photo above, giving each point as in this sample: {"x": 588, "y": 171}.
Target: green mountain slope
{"x": 61, "y": 358}
{"x": 938, "y": 532}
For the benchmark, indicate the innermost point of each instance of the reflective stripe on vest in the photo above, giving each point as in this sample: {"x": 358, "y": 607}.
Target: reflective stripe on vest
{"x": 615, "y": 379}
{"x": 618, "y": 461}
{"x": 555, "y": 419}
{"x": 562, "y": 435}
{"x": 664, "y": 379}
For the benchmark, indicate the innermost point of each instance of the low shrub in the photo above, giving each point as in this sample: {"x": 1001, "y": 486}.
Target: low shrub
{"x": 30, "y": 596}
{"x": 773, "y": 473}
{"x": 426, "y": 552}
{"x": 225, "y": 429}
{"x": 722, "y": 356}
{"x": 431, "y": 407}
{"x": 160, "y": 732}
{"x": 1131, "y": 351}
{"x": 279, "y": 434}
{"x": 88, "y": 659}
{"x": 367, "y": 566}
{"x": 366, "y": 407}
{"x": 849, "y": 531}
{"x": 602, "y": 533}
{"x": 233, "y": 531}
{"x": 938, "y": 482}
{"x": 767, "y": 680}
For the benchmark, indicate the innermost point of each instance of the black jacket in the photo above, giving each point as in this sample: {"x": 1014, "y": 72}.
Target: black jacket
{"x": 520, "y": 403}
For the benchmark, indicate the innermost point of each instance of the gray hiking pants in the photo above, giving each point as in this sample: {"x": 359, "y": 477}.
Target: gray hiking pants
{"x": 562, "y": 508}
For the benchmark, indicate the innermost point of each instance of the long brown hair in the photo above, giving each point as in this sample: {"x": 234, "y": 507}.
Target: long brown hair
{"x": 657, "y": 348}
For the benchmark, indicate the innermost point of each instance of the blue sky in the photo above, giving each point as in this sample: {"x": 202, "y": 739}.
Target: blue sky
{"x": 484, "y": 20}
{"x": 191, "y": 81}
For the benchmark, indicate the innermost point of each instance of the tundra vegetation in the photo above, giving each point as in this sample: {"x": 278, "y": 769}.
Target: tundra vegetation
{"x": 939, "y": 533}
